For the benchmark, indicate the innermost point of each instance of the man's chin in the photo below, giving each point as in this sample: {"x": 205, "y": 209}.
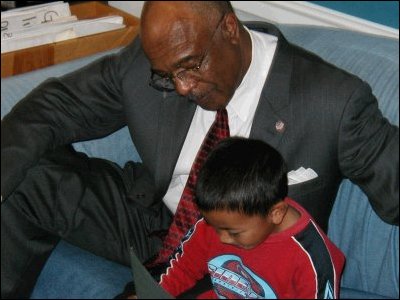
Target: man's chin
{"x": 208, "y": 103}
{"x": 209, "y": 108}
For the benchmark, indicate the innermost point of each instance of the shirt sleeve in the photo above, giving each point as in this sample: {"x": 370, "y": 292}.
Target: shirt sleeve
{"x": 313, "y": 281}
{"x": 190, "y": 264}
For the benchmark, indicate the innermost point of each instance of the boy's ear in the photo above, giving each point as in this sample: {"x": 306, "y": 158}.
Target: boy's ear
{"x": 278, "y": 212}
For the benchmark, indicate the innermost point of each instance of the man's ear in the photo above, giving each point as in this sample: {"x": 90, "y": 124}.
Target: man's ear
{"x": 231, "y": 27}
{"x": 278, "y": 212}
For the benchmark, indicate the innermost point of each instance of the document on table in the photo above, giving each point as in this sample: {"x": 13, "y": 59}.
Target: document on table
{"x": 59, "y": 31}
{"x": 30, "y": 16}
{"x": 49, "y": 23}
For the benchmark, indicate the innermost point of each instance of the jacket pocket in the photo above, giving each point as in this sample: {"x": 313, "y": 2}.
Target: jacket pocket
{"x": 306, "y": 187}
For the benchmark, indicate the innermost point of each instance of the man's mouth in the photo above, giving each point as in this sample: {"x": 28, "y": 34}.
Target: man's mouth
{"x": 199, "y": 99}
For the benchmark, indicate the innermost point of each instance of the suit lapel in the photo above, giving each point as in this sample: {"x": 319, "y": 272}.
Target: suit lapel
{"x": 271, "y": 118}
{"x": 175, "y": 119}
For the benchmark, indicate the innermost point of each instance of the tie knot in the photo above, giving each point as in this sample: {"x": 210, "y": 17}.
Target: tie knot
{"x": 222, "y": 124}
{"x": 222, "y": 113}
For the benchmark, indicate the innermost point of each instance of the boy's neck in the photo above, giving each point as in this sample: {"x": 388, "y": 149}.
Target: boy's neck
{"x": 291, "y": 217}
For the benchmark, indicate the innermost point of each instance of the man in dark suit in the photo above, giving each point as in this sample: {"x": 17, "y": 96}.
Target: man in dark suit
{"x": 198, "y": 58}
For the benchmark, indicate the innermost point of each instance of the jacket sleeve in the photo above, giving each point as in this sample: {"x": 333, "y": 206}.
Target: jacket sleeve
{"x": 189, "y": 266}
{"x": 82, "y": 105}
{"x": 369, "y": 153}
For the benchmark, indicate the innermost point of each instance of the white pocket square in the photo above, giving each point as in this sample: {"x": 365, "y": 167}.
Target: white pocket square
{"x": 301, "y": 175}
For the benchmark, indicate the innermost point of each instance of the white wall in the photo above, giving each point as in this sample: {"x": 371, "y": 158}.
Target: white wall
{"x": 289, "y": 12}
{"x": 132, "y": 7}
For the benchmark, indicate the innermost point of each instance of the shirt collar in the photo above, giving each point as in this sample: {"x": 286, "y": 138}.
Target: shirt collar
{"x": 244, "y": 96}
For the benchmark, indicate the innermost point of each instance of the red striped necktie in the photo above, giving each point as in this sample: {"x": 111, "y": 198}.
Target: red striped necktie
{"x": 187, "y": 213}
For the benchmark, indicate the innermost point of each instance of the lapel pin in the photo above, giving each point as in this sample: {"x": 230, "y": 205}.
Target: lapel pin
{"x": 280, "y": 126}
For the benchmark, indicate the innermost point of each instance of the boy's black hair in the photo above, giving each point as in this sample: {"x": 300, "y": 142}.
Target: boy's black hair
{"x": 243, "y": 175}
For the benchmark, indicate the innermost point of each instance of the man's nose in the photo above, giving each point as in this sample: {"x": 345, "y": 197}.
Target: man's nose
{"x": 184, "y": 86}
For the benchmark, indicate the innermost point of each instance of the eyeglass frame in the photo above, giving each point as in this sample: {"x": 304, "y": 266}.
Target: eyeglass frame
{"x": 169, "y": 78}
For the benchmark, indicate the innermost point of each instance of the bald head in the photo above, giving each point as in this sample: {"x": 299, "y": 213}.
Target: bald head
{"x": 170, "y": 18}
{"x": 205, "y": 10}
{"x": 177, "y": 25}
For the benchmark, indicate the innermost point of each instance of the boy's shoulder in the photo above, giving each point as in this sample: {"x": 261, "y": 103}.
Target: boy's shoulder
{"x": 293, "y": 203}
{"x": 304, "y": 222}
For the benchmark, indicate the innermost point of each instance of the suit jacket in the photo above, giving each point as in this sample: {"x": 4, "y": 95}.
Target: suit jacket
{"x": 331, "y": 123}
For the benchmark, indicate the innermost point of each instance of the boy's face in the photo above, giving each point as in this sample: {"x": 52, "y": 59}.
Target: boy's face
{"x": 238, "y": 229}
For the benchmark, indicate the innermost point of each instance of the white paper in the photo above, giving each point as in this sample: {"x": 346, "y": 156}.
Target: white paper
{"x": 57, "y": 32}
{"x": 27, "y": 17}
{"x": 301, "y": 175}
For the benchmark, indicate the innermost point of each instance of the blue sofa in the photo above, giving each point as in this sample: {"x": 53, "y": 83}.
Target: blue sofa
{"x": 370, "y": 245}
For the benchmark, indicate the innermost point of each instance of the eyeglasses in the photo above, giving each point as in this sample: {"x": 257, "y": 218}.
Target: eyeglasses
{"x": 165, "y": 82}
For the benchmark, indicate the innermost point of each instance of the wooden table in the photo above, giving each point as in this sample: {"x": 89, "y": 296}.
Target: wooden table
{"x": 30, "y": 59}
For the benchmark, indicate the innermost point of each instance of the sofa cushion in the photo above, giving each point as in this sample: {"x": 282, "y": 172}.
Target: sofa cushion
{"x": 346, "y": 293}
{"x": 78, "y": 274}
{"x": 374, "y": 59}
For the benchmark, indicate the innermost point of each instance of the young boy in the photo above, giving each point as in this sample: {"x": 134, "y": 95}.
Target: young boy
{"x": 253, "y": 240}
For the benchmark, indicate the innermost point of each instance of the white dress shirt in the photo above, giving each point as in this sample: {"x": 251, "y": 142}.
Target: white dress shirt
{"x": 241, "y": 109}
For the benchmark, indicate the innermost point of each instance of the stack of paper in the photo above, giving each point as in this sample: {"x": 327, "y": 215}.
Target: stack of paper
{"x": 48, "y": 23}
{"x": 27, "y": 17}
